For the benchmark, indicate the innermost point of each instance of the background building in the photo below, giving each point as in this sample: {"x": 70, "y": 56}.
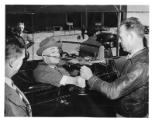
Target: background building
{"x": 66, "y": 21}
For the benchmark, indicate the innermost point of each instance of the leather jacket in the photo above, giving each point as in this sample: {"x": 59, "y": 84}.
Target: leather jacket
{"x": 130, "y": 90}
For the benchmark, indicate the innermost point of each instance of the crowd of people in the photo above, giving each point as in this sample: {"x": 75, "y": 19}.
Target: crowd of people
{"x": 130, "y": 89}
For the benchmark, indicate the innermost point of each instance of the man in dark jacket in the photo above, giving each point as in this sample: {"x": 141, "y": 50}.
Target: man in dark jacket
{"x": 19, "y": 31}
{"x": 130, "y": 90}
{"x": 22, "y": 35}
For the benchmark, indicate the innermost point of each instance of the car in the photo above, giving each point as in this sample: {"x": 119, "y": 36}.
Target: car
{"x": 48, "y": 100}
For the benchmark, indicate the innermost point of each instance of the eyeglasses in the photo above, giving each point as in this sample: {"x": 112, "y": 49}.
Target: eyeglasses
{"x": 50, "y": 56}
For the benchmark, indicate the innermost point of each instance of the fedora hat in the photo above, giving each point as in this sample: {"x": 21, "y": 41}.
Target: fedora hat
{"x": 47, "y": 43}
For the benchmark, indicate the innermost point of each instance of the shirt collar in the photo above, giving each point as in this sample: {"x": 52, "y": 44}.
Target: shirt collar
{"x": 138, "y": 54}
{"x": 129, "y": 56}
{"x": 9, "y": 82}
{"x": 53, "y": 67}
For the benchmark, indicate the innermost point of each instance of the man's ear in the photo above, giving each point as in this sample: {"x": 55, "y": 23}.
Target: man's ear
{"x": 11, "y": 62}
{"x": 45, "y": 58}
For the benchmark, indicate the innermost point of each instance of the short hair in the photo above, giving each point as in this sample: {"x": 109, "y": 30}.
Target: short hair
{"x": 133, "y": 24}
{"x": 14, "y": 48}
{"x": 20, "y": 22}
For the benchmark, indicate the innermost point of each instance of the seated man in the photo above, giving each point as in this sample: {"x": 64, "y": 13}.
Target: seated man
{"x": 50, "y": 70}
{"x": 16, "y": 103}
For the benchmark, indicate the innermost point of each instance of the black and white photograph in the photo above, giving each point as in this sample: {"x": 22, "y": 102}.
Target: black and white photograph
{"x": 76, "y": 61}
{"x": 69, "y": 62}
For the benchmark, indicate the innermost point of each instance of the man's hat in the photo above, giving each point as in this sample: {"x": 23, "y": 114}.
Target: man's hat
{"x": 47, "y": 43}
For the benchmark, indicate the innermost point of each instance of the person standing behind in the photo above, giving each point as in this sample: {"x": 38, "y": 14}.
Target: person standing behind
{"x": 130, "y": 90}
{"x": 16, "y": 103}
{"x": 19, "y": 31}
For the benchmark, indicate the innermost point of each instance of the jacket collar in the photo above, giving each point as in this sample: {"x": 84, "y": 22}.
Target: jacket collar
{"x": 139, "y": 54}
{"x": 51, "y": 66}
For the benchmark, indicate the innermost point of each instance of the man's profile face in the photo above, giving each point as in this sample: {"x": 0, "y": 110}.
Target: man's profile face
{"x": 53, "y": 59}
{"x": 52, "y": 55}
{"x": 18, "y": 62}
{"x": 125, "y": 38}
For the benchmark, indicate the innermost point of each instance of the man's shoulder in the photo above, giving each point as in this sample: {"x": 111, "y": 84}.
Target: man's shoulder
{"x": 8, "y": 90}
{"x": 42, "y": 66}
{"x": 142, "y": 56}
{"x": 11, "y": 94}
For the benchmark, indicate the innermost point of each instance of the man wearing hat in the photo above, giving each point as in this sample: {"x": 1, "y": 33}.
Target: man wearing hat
{"x": 50, "y": 71}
